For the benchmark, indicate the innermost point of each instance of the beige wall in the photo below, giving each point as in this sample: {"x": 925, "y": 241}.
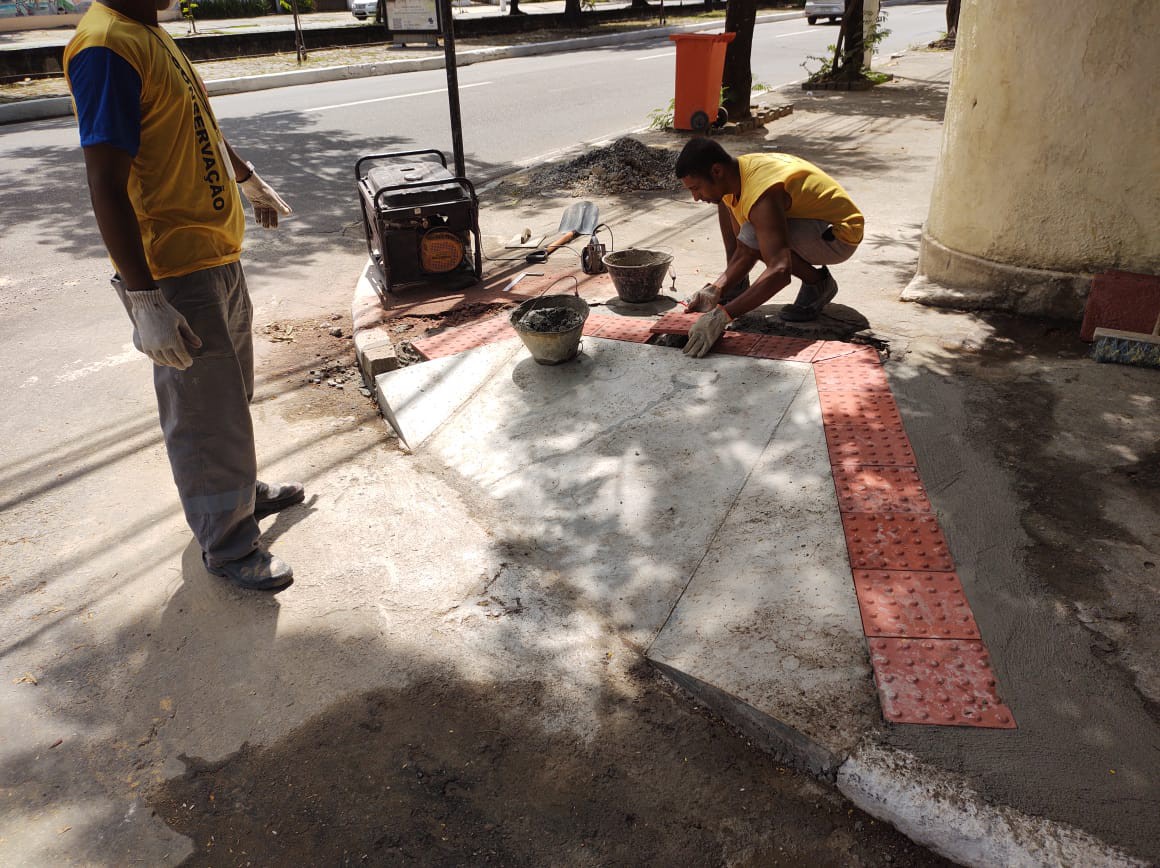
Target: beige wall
{"x": 1051, "y": 148}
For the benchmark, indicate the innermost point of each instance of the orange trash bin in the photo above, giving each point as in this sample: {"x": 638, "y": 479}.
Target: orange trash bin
{"x": 700, "y": 66}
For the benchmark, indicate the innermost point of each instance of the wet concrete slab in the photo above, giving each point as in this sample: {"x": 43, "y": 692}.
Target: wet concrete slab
{"x": 689, "y": 504}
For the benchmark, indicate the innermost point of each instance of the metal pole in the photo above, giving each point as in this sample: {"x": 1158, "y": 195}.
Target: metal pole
{"x": 452, "y": 85}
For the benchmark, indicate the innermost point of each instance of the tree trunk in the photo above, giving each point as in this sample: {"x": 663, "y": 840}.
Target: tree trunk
{"x": 847, "y": 64}
{"x": 740, "y": 17}
{"x": 514, "y": 8}
{"x": 952, "y": 19}
{"x": 572, "y": 13}
{"x": 639, "y": 4}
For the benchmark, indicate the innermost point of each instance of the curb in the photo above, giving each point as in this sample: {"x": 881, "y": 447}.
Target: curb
{"x": 54, "y": 107}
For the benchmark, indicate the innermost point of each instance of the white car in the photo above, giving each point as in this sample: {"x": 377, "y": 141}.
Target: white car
{"x": 815, "y": 9}
{"x": 361, "y": 9}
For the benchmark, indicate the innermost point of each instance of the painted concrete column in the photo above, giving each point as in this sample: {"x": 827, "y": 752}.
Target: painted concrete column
{"x": 1050, "y": 163}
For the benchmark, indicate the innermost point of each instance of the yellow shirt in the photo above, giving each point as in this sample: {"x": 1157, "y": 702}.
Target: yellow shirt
{"x": 813, "y": 194}
{"x": 180, "y": 184}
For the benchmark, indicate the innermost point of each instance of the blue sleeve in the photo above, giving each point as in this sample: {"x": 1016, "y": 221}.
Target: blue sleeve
{"x": 107, "y": 93}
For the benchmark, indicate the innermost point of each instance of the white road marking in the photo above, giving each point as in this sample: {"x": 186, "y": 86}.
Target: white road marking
{"x": 387, "y": 98}
{"x": 795, "y": 33}
{"x": 656, "y": 56}
{"x": 129, "y": 355}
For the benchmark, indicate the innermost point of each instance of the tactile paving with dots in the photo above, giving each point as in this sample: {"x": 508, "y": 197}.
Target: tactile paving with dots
{"x": 674, "y": 323}
{"x": 869, "y": 446}
{"x": 880, "y": 489}
{"x": 597, "y": 321}
{"x": 469, "y": 337}
{"x": 900, "y": 603}
{"x": 623, "y": 328}
{"x": 944, "y": 682}
{"x": 834, "y": 349}
{"x": 858, "y": 372}
{"x": 859, "y": 407}
{"x": 735, "y": 344}
{"x": 785, "y": 349}
{"x": 895, "y": 541}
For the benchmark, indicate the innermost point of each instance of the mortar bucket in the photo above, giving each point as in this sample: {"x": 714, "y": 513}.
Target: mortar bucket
{"x": 551, "y": 347}
{"x": 637, "y": 273}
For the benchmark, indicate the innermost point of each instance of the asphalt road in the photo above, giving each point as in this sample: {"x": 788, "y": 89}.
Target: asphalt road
{"x": 520, "y": 111}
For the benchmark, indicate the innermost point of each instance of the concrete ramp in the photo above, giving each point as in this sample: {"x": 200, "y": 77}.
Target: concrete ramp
{"x": 688, "y": 504}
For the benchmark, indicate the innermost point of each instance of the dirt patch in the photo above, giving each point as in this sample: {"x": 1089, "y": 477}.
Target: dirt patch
{"x": 454, "y": 773}
{"x": 317, "y": 356}
{"x": 627, "y": 165}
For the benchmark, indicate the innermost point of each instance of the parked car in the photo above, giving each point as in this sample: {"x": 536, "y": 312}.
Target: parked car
{"x": 815, "y": 9}
{"x": 361, "y": 9}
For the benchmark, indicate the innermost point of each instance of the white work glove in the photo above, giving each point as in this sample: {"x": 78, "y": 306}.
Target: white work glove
{"x": 267, "y": 204}
{"x": 706, "y": 331}
{"x": 704, "y": 299}
{"x": 161, "y": 332}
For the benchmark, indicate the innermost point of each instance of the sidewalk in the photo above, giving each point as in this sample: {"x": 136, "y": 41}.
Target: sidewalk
{"x": 1074, "y": 658}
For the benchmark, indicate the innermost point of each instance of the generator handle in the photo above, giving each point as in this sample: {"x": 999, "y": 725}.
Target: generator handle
{"x": 416, "y": 185}
{"x": 358, "y": 165}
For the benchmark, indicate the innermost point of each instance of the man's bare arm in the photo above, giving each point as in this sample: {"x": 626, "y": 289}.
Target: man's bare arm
{"x": 769, "y": 222}
{"x": 107, "y": 169}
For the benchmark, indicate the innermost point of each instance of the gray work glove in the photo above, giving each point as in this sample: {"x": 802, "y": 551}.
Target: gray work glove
{"x": 161, "y": 332}
{"x": 704, "y": 299}
{"x": 267, "y": 204}
{"x": 706, "y": 331}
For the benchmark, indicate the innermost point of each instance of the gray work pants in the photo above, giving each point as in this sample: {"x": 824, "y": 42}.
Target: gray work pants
{"x": 205, "y": 412}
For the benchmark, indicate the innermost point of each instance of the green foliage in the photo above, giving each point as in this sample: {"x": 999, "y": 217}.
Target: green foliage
{"x": 187, "y": 8}
{"x": 218, "y": 9}
{"x": 825, "y": 70}
{"x": 662, "y": 118}
{"x": 304, "y": 6}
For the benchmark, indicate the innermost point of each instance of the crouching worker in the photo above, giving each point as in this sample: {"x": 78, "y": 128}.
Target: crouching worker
{"x": 165, "y": 188}
{"x": 776, "y": 209}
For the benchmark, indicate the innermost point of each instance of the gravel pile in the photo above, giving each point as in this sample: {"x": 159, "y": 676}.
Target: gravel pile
{"x": 624, "y": 166}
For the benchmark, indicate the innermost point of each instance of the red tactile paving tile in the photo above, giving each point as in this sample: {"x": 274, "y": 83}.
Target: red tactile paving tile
{"x": 736, "y": 344}
{"x": 785, "y": 349}
{"x": 898, "y": 603}
{"x": 880, "y": 489}
{"x": 597, "y": 321}
{"x": 833, "y": 349}
{"x": 869, "y": 446}
{"x": 675, "y": 323}
{"x": 896, "y": 541}
{"x": 468, "y": 337}
{"x": 945, "y": 682}
{"x": 622, "y": 328}
{"x": 861, "y": 371}
{"x": 859, "y": 408}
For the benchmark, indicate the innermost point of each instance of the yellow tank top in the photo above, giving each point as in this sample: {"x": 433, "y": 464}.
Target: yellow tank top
{"x": 813, "y": 194}
{"x": 187, "y": 205}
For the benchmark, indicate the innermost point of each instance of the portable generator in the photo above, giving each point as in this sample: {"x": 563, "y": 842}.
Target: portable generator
{"x": 421, "y": 221}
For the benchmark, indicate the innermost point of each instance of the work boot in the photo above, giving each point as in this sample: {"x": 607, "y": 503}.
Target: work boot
{"x": 811, "y": 299}
{"x": 272, "y": 497}
{"x": 257, "y": 571}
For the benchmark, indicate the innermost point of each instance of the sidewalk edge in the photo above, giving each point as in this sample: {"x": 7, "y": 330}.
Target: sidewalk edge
{"x": 939, "y": 810}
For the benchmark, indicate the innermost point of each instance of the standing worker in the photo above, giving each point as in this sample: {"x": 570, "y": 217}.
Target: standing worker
{"x": 775, "y": 208}
{"x": 163, "y": 183}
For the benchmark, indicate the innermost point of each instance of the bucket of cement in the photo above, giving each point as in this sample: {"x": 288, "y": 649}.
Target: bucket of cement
{"x": 551, "y": 326}
{"x": 637, "y": 273}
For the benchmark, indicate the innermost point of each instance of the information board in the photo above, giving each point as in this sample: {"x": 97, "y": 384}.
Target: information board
{"x": 412, "y": 16}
